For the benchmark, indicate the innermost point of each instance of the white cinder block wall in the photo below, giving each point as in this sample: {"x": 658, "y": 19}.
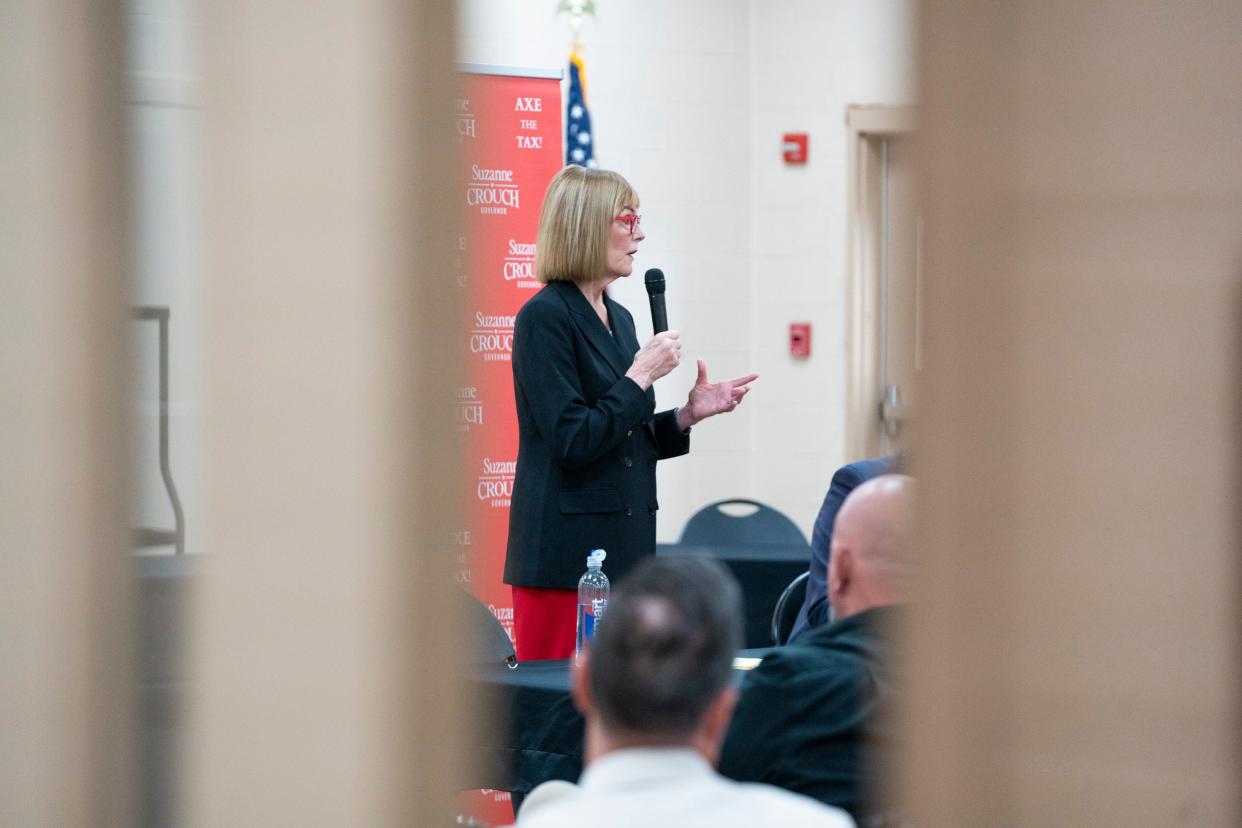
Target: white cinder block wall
{"x": 810, "y": 59}
{"x": 689, "y": 100}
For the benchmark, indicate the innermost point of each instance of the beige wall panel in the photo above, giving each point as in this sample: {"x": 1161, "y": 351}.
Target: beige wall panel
{"x": 324, "y": 630}
{"x": 65, "y": 727}
{"x": 1075, "y": 654}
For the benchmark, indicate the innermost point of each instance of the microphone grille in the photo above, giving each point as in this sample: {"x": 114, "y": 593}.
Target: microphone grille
{"x": 654, "y": 279}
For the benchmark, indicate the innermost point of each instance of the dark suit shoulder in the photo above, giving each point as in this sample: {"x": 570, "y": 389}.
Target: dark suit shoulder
{"x": 546, "y": 307}
{"x": 853, "y": 474}
{"x": 818, "y": 663}
{"x": 547, "y": 299}
{"x": 783, "y": 703}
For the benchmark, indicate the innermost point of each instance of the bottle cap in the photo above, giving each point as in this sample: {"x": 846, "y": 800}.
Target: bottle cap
{"x": 596, "y": 558}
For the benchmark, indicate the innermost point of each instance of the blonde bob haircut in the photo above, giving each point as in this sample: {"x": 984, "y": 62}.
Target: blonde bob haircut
{"x": 578, "y": 210}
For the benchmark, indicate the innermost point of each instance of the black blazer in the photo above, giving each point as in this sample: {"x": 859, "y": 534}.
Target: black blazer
{"x": 588, "y": 441}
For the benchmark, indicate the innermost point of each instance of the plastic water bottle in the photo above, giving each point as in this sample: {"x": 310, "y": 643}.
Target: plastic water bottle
{"x": 592, "y": 598}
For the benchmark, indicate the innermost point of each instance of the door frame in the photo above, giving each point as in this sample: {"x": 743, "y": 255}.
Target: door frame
{"x": 864, "y": 123}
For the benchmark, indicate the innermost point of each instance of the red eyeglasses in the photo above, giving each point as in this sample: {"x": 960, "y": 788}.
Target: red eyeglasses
{"x": 633, "y": 220}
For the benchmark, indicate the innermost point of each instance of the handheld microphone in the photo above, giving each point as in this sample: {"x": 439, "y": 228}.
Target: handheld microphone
{"x": 654, "y": 280}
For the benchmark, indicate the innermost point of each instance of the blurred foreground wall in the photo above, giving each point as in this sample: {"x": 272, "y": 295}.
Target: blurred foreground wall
{"x": 323, "y": 634}
{"x": 1075, "y": 648}
{"x": 65, "y": 735}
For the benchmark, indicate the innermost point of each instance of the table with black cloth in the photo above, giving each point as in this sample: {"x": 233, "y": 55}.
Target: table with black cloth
{"x": 763, "y": 572}
{"x": 537, "y": 733}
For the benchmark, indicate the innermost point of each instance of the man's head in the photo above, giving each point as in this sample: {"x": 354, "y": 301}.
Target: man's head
{"x": 658, "y": 671}
{"x": 870, "y": 564}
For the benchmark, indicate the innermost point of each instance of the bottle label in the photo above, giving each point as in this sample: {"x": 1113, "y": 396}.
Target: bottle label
{"x": 589, "y": 613}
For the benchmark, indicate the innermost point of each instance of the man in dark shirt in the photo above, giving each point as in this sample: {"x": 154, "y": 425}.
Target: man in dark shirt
{"x": 814, "y": 612}
{"x": 816, "y": 716}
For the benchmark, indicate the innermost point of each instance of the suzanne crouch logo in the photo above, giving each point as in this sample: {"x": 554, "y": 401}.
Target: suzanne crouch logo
{"x": 492, "y": 337}
{"x": 469, "y": 413}
{"x": 520, "y": 264}
{"x": 495, "y": 485}
{"x": 492, "y": 190}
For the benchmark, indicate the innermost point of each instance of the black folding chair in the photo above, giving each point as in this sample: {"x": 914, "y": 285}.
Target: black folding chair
{"x": 487, "y": 641}
{"x": 787, "y": 608}
{"x": 762, "y": 526}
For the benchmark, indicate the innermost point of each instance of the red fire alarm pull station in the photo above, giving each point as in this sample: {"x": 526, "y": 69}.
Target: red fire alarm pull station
{"x": 794, "y": 146}
{"x": 800, "y": 339}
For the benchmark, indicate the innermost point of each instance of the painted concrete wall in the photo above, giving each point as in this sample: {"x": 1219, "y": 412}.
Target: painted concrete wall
{"x": 689, "y": 101}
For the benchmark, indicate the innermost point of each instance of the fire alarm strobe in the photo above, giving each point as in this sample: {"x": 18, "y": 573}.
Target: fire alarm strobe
{"x": 794, "y": 145}
{"x": 800, "y": 339}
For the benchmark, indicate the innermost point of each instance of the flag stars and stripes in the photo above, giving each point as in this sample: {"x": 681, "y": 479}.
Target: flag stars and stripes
{"x": 579, "y": 144}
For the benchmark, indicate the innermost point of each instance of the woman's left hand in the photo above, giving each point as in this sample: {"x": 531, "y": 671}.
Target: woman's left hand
{"x": 708, "y": 399}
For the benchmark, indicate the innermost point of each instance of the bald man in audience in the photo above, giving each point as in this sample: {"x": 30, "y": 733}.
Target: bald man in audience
{"x": 816, "y": 716}
{"x": 656, "y": 690}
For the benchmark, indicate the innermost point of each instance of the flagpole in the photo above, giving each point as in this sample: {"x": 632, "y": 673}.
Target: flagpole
{"x": 577, "y": 11}
{"x": 579, "y": 139}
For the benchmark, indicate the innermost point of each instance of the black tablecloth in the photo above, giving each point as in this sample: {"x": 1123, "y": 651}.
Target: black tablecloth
{"x": 763, "y": 572}
{"x": 536, "y": 734}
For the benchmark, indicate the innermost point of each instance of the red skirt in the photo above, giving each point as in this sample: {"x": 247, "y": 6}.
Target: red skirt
{"x": 545, "y": 622}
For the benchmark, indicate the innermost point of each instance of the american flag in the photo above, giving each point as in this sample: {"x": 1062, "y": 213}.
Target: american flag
{"x": 579, "y": 142}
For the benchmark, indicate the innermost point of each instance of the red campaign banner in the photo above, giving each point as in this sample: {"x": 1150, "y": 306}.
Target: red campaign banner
{"x": 509, "y": 128}
{"x": 485, "y": 807}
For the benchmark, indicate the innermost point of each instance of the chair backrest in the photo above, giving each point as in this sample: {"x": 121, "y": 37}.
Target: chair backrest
{"x": 787, "y": 608}
{"x": 488, "y": 643}
{"x": 765, "y": 526}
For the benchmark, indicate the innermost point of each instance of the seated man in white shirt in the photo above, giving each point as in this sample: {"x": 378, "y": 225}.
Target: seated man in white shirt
{"x": 656, "y": 692}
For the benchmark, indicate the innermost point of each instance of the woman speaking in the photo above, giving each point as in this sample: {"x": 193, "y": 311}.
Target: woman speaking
{"x": 588, "y": 434}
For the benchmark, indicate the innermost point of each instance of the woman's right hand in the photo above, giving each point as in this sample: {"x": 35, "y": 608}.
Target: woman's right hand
{"x": 655, "y": 359}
